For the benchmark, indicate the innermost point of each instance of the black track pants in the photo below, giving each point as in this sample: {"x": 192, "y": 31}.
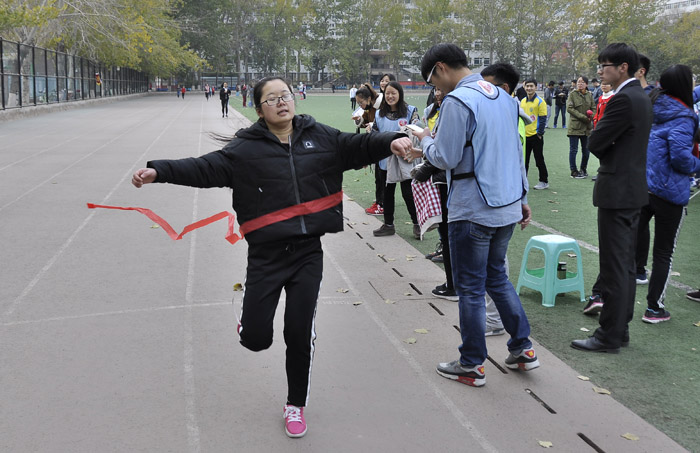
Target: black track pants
{"x": 297, "y": 267}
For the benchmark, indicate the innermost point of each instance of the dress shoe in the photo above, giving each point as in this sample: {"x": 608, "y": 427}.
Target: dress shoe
{"x": 592, "y": 344}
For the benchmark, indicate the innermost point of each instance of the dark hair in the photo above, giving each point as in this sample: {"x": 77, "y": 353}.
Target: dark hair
{"x": 258, "y": 88}
{"x": 551, "y": 83}
{"x": 594, "y": 80}
{"x": 618, "y": 53}
{"x": 367, "y": 92}
{"x": 645, "y": 63}
{"x": 676, "y": 81}
{"x": 391, "y": 77}
{"x": 502, "y": 73}
{"x": 530, "y": 81}
{"x": 401, "y": 106}
{"x": 435, "y": 105}
{"x": 448, "y": 53}
{"x": 585, "y": 80}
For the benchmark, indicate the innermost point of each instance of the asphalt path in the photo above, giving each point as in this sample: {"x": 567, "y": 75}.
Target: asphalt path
{"x": 115, "y": 338}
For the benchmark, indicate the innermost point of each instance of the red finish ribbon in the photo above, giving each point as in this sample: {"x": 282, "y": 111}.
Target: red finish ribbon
{"x": 310, "y": 207}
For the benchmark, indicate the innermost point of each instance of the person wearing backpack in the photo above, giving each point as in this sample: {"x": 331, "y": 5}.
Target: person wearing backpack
{"x": 487, "y": 197}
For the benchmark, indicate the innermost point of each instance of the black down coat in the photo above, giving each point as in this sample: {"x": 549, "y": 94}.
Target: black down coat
{"x": 267, "y": 175}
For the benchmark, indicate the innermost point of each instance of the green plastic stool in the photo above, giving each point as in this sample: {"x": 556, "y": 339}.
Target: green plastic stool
{"x": 545, "y": 280}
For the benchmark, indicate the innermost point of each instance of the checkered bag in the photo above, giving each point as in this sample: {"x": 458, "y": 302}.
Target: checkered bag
{"x": 427, "y": 199}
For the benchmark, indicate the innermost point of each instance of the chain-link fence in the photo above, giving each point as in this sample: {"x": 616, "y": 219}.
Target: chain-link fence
{"x": 31, "y": 76}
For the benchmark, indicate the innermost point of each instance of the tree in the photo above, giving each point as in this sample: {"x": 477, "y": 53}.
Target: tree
{"x": 140, "y": 34}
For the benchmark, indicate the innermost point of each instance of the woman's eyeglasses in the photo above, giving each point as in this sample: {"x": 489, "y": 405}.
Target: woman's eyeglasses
{"x": 274, "y": 100}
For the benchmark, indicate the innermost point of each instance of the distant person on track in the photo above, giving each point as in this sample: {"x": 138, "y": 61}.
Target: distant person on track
{"x": 280, "y": 162}
{"x": 224, "y": 95}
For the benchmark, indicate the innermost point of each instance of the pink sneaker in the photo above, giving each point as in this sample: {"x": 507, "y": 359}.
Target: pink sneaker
{"x": 294, "y": 423}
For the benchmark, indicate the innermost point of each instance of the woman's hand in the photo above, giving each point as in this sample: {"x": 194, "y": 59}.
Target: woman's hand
{"x": 143, "y": 176}
{"x": 403, "y": 148}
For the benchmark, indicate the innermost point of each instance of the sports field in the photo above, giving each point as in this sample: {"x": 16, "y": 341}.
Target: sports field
{"x": 658, "y": 375}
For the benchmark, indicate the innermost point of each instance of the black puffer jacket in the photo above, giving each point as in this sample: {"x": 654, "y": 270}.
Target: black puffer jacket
{"x": 267, "y": 175}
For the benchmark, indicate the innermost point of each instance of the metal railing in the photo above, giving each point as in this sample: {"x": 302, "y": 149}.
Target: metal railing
{"x": 31, "y": 76}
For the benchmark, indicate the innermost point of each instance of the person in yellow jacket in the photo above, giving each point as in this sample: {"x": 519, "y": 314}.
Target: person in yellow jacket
{"x": 535, "y": 108}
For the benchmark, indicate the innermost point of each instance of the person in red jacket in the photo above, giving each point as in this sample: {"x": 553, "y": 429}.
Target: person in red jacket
{"x": 182, "y": 90}
{"x": 602, "y": 102}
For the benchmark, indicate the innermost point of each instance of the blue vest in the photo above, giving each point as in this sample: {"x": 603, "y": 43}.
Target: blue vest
{"x": 384, "y": 124}
{"x": 495, "y": 144}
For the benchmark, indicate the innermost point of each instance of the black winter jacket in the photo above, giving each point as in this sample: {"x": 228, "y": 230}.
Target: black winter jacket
{"x": 267, "y": 175}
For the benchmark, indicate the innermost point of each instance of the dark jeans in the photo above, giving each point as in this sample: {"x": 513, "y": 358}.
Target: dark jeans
{"x": 224, "y": 106}
{"x": 573, "y": 150}
{"x": 535, "y": 145}
{"x": 379, "y": 184}
{"x": 444, "y": 237}
{"x": 668, "y": 218}
{"x": 617, "y": 239}
{"x": 389, "y": 203}
{"x": 297, "y": 267}
{"x": 480, "y": 267}
{"x": 557, "y": 110}
{"x": 353, "y": 102}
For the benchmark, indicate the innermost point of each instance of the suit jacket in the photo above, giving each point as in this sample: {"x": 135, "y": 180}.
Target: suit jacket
{"x": 619, "y": 141}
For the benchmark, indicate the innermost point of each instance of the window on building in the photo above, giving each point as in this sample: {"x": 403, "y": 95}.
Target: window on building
{"x": 477, "y": 61}
{"x": 477, "y": 45}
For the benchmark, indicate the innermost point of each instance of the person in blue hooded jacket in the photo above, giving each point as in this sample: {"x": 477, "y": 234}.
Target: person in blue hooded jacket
{"x": 669, "y": 163}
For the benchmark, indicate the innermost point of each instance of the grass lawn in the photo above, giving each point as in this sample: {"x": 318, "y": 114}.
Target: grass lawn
{"x": 658, "y": 375}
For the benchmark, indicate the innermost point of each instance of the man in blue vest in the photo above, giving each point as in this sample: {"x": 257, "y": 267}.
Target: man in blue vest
{"x": 486, "y": 198}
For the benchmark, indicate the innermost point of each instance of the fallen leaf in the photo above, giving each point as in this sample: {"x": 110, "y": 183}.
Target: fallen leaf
{"x": 694, "y": 349}
{"x": 391, "y": 259}
{"x": 583, "y": 329}
{"x": 552, "y": 201}
{"x": 423, "y": 331}
{"x": 342, "y": 290}
{"x": 237, "y": 287}
{"x": 554, "y": 193}
{"x": 584, "y": 378}
{"x": 351, "y": 199}
{"x": 365, "y": 223}
{"x": 410, "y": 341}
{"x": 357, "y": 302}
{"x": 54, "y": 182}
{"x": 555, "y": 210}
{"x": 407, "y": 294}
{"x": 571, "y": 255}
{"x": 675, "y": 274}
{"x": 601, "y": 391}
{"x": 545, "y": 444}
{"x": 365, "y": 191}
{"x": 155, "y": 226}
{"x": 356, "y": 180}
{"x": 389, "y": 301}
{"x": 697, "y": 324}
{"x": 630, "y": 436}
{"x": 408, "y": 223}
{"x": 409, "y": 259}
{"x": 353, "y": 223}
{"x": 410, "y": 256}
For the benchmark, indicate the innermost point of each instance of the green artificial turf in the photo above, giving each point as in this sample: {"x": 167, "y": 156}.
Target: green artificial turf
{"x": 658, "y": 375}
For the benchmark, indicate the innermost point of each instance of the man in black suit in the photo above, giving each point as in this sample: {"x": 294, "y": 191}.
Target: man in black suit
{"x": 619, "y": 140}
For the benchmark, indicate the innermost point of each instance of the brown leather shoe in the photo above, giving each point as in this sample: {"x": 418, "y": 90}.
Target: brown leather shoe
{"x": 385, "y": 230}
